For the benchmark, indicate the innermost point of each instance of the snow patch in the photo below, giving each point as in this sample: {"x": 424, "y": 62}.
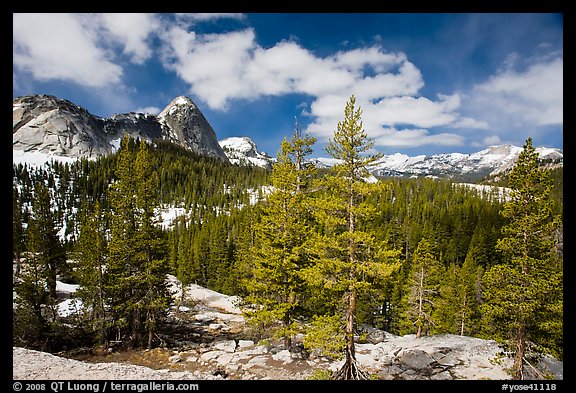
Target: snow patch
{"x": 37, "y": 159}
{"x": 207, "y": 297}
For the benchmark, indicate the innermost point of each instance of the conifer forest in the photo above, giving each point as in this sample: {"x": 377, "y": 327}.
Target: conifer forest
{"x": 310, "y": 250}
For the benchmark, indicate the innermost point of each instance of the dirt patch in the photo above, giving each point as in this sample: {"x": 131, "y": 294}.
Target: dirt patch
{"x": 157, "y": 358}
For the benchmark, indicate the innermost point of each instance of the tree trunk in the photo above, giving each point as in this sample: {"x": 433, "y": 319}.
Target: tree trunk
{"x": 518, "y": 368}
{"x": 420, "y": 302}
{"x": 350, "y": 369}
{"x": 463, "y": 315}
{"x": 287, "y": 337}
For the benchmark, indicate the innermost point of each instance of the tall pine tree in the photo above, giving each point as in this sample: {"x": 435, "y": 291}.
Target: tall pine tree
{"x": 523, "y": 294}
{"x": 279, "y": 252}
{"x": 150, "y": 245}
{"x": 136, "y": 273}
{"x": 348, "y": 255}
{"x": 36, "y": 285}
{"x": 458, "y": 310}
{"x": 422, "y": 288}
{"x": 92, "y": 249}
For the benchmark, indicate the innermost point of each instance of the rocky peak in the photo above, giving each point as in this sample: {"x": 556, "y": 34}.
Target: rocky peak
{"x": 55, "y": 126}
{"x": 183, "y": 123}
{"x": 58, "y": 127}
{"x": 243, "y": 151}
{"x": 178, "y": 104}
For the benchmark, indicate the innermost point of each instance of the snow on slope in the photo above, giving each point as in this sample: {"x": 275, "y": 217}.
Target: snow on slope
{"x": 243, "y": 151}
{"x": 207, "y": 297}
{"x": 36, "y": 158}
{"x": 209, "y": 302}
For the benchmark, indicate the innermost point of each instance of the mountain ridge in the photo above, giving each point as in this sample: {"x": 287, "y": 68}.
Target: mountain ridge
{"x": 55, "y": 126}
{"x": 60, "y": 128}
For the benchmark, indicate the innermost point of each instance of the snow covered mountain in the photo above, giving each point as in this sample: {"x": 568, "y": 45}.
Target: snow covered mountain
{"x": 490, "y": 161}
{"x": 57, "y": 127}
{"x": 46, "y": 126}
{"x": 243, "y": 151}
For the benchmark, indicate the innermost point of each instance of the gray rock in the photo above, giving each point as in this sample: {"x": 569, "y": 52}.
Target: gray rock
{"x": 416, "y": 359}
{"x": 449, "y": 360}
{"x": 375, "y": 336}
{"x": 226, "y": 345}
{"x": 56, "y": 126}
{"x": 184, "y": 124}
{"x": 245, "y": 344}
{"x": 444, "y": 375}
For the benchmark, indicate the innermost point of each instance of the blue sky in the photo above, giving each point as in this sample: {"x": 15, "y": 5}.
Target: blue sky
{"x": 426, "y": 83}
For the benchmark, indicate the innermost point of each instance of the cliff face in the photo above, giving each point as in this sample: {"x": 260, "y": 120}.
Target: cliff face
{"x": 243, "y": 151}
{"x": 183, "y": 123}
{"x": 55, "y": 126}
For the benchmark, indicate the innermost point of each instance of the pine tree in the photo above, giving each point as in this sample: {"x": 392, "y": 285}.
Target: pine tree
{"x": 523, "y": 294}
{"x": 45, "y": 245}
{"x": 347, "y": 254}
{"x": 36, "y": 285}
{"x": 137, "y": 268}
{"x": 17, "y": 230}
{"x": 150, "y": 244}
{"x": 279, "y": 255}
{"x": 92, "y": 249}
{"x": 458, "y": 309}
{"x": 121, "y": 270}
{"x": 422, "y": 288}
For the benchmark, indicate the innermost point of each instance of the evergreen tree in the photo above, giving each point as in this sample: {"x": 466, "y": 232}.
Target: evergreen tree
{"x": 137, "y": 268}
{"x": 422, "y": 288}
{"x": 279, "y": 253}
{"x": 121, "y": 270}
{"x": 92, "y": 251}
{"x": 150, "y": 245}
{"x": 458, "y": 309}
{"x": 36, "y": 285}
{"x": 45, "y": 245}
{"x": 17, "y": 230}
{"x": 523, "y": 294}
{"x": 347, "y": 254}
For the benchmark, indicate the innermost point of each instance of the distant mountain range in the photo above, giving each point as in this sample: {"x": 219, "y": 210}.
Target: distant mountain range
{"x": 490, "y": 161}
{"x": 49, "y": 125}
{"x": 243, "y": 151}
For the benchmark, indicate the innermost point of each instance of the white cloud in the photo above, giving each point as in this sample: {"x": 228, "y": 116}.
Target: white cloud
{"x": 392, "y": 137}
{"x": 533, "y": 97}
{"x": 80, "y": 47}
{"x": 492, "y": 140}
{"x": 59, "y": 46}
{"x": 152, "y": 110}
{"x": 223, "y": 67}
{"x": 420, "y": 112}
{"x": 203, "y": 17}
{"x": 220, "y": 68}
{"x": 213, "y": 64}
{"x": 132, "y": 31}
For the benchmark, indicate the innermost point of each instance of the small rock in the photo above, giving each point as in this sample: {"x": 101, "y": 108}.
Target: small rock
{"x": 245, "y": 344}
{"x": 283, "y": 356}
{"x": 416, "y": 359}
{"x": 449, "y": 360}
{"x": 203, "y": 318}
{"x": 226, "y": 346}
{"x": 211, "y": 355}
{"x": 444, "y": 375}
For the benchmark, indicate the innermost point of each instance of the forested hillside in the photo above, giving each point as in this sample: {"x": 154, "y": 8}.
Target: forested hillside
{"x": 422, "y": 256}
